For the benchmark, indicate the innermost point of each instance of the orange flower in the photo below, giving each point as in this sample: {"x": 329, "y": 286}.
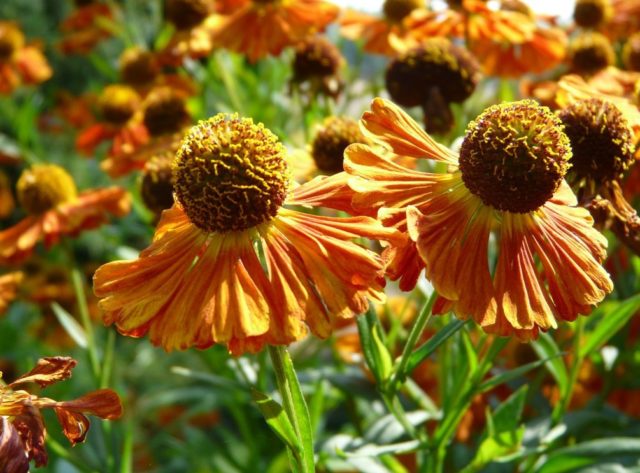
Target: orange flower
{"x": 543, "y": 50}
{"x": 202, "y": 281}
{"x": 120, "y": 107}
{"x": 472, "y": 20}
{"x": 19, "y": 63}
{"x": 8, "y": 289}
{"x": 85, "y": 28}
{"x": 22, "y": 429}
{"x": 507, "y": 179}
{"x": 49, "y": 196}
{"x": 266, "y": 27}
{"x": 378, "y": 33}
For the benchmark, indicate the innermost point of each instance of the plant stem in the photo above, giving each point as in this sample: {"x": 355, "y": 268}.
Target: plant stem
{"x": 562, "y": 406}
{"x": 412, "y": 340}
{"x": 85, "y": 318}
{"x": 294, "y": 406}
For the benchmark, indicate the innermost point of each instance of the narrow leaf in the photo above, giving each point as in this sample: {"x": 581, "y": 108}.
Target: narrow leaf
{"x": 70, "y": 325}
{"x": 610, "y": 324}
{"x": 425, "y": 350}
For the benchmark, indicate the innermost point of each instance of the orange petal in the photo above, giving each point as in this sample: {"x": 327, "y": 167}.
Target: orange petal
{"x": 389, "y": 125}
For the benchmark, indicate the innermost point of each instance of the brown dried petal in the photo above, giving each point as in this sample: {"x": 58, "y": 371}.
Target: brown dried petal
{"x": 13, "y": 458}
{"x": 32, "y": 432}
{"x": 48, "y": 371}
{"x": 103, "y": 403}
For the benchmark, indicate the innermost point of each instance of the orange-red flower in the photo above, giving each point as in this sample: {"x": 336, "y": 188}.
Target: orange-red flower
{"x": 261, "y": 28}
{"x": 507, "y": 180}
{"x": 19, "y": 63}
{"x": 121, "y": 123}
{"x": 378, "y": 33}
{"x": 229, "y": 264}
{"x": 22, "y": 429}
{"x": 55, "y": 209}
{"x": 85, "y": 28}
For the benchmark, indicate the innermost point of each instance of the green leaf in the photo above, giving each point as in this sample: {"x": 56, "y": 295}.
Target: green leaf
{"x": 611, "y": 320}
{"x": 276, "y": 418}
{"x": 70, "y": 325}
{"x": 295, "y": 405}
{"x": 547, "y": 350}
{"x": 503, "y": 436}
{"x": 510, "y": 375}
{"x": 587, "y": 453}
{"x": 425, "y": 350}
{"x": 366, "y": 326}
{"x": 381, "y": 352}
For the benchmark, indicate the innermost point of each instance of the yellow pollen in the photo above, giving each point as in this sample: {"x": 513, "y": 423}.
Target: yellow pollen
{"x": 118, "y": 103}
{"x": 514, "y": 156}
{"x": 44, "y": 187}
{"x": 230, "y": 174}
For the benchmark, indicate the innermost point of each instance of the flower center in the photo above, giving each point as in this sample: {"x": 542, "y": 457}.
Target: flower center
{"x": 514, "y": 156}
{"x": 331, "y": 140}
{"x": 436, "y": 63}
{"x": 592, "y": 13}
{"x": 631, "y": 53}
{"x": 230, "y": 174}
{"x": 138, "y": 67}
{"x": 156, "y": 187}
{"x": 591, "y": 52}
{"x": 44, "y": 187}
{"x": 185, "y": 14}
{"x": 165, "y": 112}
{"x": 118, "y": 103}
{"x": 397, "y": 10}
{"x": 11, "y": 39}
{"x": 601, "y": 140}
{"x": 315, "y": 57}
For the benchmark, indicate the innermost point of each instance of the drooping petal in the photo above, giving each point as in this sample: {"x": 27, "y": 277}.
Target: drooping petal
{"x": 380, "y": 182}
{"x": 523, "y": 303}
{"x": 17, "y": 243}
{"x": 389, "y": 125}
{"x": 13, "y": 458}
{"x": 452, "y": 238}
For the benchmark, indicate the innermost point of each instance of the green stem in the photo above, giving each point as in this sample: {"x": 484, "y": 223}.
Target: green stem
{"x": 563, "y": 405}
{"x": 294, "y": 406}
{"x": 415, "y": 334}
{"x": 85, "y": 318}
